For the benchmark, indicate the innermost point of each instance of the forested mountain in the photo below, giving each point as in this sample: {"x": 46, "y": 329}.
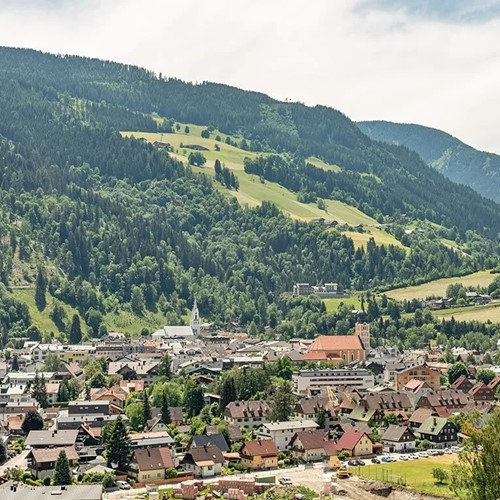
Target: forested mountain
{"x": 459, "y": 162}
{"x": 114, "y": 222}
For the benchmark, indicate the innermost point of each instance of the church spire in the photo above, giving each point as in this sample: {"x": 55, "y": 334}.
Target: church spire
{"x": 195, "y": 319}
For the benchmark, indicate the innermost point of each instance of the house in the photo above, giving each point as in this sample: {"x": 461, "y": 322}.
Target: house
{"x": 482, "y": 392}
{"x": 204, "y": 461}
{"x": 398, "y": 438}
{"x": 89, "y": 408}
{"x": 444, "y": 402}
{"x": 357, "y": 443}
{"x": 462, "y": 384}
{"x": 282, "y": 432}
{"x": 308, "y": 446}
{"x": 52, "y": 439}
{"x": 313, "y": 380}
{"x": 494, "y": 384}
{"x": 422, "y": 372}
{"x": 52, "y": 392}
{"x": 116, "y": 395}
{"x": 19, "y": 491}
{"x": 42, "y": 461}
{"x": 308, "y": 408}
{"x": 213, "y": 439}
{"x": 150, "y": 439}
{"x": 418, "y": 417}
{"x": 248, "y": 414}
{"x": 439, "y": 431}
{"x": 150, "y": 464}
{"x": 259, "y": 454}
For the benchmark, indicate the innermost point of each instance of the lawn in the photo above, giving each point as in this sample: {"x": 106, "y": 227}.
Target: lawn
{"x": 438, "y": 287}
{"x": 414, "y": 474}
{"x": 333, "y": 304}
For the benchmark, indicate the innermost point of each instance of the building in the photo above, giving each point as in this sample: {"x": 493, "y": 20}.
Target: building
{"x": 248, "y": 414}
{"x": 424, "y": 373}
{"x": 346, "y": 348}
{"x": 150, "y": 439}
{"x": 204, "y": 461}
{"x": 310, "y": 406}
{"x": 398, "y": 438}
{"x": 259, "y": 454}
{"x": 482, "y": 392}
{"x": 310, "y": 381}
{"x": 195, "y": 319}
{"x": 19, "y": 491}
{"x": 462, "y": 384}
{"x": 42, "y": 461}
{"x": 52, "y": 439}
{"x": 282, "y": 432}
{"x": 324, "y": 291}
{"x": 356, "y": 442}
{"x": 308, "y": 446}
{"x": 208, "y": 440}
{"x": 89, "y": 408}
{"x": 150, "y": 464}
{"x": 439, "y": 431}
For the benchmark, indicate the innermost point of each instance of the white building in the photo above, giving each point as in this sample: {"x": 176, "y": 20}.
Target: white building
{"x": 282, "y": 432}
{"x": 313, "y": 380}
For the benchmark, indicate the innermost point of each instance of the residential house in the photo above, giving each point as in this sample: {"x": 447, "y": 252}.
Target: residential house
{"x": 482, "y": 392}
{"x": 418, "y": 417}
{"x": 51, "y": 439}
{"x": 398, "y": 438}
{"x": 208, "y": 440}
{"x": 357, "y": 443}
{"x": 116, "y": 395}
{"x": 150, "y": 439}
{"x": 282, "y": 432}
{"x": 89, "y": 408}
{"x": 259, "y": 454}
{"x": 441, "y": 432}
{"x": 150, "y": 464}
{"x": 204, "y": 461}
{"x": 444, "y": 402}
{"x": 19, "y": 491}
{"x": 308, "y": 408}
{"x": 421, "y": 372}
{"x": 42, "y": 461}
{"x": 308, "y": 446}
{"x": 248, "y": 414}
{"x": 462, "y": 384}
{"x": 313, "y": 380}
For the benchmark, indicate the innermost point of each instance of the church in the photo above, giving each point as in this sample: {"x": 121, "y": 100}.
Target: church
{"x": 186, "y": 332}
{"x": 346, "y": 348}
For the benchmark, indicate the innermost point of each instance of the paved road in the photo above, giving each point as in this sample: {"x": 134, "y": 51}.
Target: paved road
{"x": 17, "y": 461}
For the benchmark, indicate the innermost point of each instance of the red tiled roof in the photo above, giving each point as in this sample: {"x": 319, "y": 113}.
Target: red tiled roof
{"x": 259, "y": 447}
{"x": 350, "y": 439}
{"x": 153, "y": 459}
{"x": 336, "y": 343}
{"x": 310, "y": 440}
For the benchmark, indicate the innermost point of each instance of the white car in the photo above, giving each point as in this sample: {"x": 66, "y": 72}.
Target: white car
{"x": 403, "y": 457}
{"x": 413, "y": 456}
{"x": 433, "y": 453}
{"x": 285, "y": 480}
{"x": 423, "y": 454}
{"x": 448, "y": 451}
{"x": 123, "y": 485}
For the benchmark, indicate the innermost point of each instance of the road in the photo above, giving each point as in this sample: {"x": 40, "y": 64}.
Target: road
{"x": 17, "y": 461}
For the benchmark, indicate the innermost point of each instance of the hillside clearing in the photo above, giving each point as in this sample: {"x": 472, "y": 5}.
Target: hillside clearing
{"x": 483, "y": 314}
{"x": 333, "y": 304}
{"x": 438, "y": 287}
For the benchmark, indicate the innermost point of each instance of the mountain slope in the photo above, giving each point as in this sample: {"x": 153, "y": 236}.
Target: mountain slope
{"x": 458, "y": 161}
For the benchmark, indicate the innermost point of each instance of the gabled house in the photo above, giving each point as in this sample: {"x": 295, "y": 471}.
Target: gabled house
{"x": 150, "y": 464}
{"x": 52, "y": 439}
{"x": 282, "y": 432}
{"x": 357, "y": 443}
{"x": 462, "y": 384}
{"x": 439, "y": 431}
{"x": 259, "y": 454}
{"x": 482, "y": 392}
{"x": 150, "y": 440}
{"x": 308, "y": 446}
{"x": 398, "y": 438}
{"x": 213, "y": 439}
{"x": 204, "y": 461}
{"x": 42, "y": 461}
{"x": 310, "y": 406}
{"x": 248, "y": 414}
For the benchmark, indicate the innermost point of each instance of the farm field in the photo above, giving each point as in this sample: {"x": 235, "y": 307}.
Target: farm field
{"x": 253, "y": 191}
{"x": 416, "y": 474}
{"x": 438, "y": 287}
{"x": 490, "y": 312}
{"x": 333, "y": 304}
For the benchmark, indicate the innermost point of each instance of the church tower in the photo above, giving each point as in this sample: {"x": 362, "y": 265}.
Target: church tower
{"x": 363, "y": 332}
{"x": 195, "y": 319}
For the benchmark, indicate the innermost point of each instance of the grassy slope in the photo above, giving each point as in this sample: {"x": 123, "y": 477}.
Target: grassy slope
{"x": 333, "y": 304}
{"x": 490, "y": 312}
{"x": 253, "y": 192}
{"x": 438, "y": 287}
{"x": 417, "y": 474}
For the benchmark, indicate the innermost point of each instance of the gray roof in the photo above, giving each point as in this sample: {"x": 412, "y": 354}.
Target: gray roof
{"x": 19, "y": 491}
{"x": 395, "y": 433}
{"x": 292, "y": 425}
{"x": 51, "y": 438}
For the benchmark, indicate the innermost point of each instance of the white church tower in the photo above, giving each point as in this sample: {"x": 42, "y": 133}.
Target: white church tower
{"x": 195, "y": 319}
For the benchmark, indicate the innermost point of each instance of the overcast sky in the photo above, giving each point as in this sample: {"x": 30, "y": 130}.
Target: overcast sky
{"x": 433, "y": 62}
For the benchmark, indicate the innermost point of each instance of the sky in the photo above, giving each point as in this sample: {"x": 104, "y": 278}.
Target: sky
{"x": 432, "y": 62}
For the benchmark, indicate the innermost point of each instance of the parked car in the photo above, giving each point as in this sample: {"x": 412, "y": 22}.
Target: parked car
{"x": 413, "y": 456}
{"x": 423, "y": 454}
{"x": 352, "y": 463}
{"x": 375, "y": 460}
{"x": 433, "y": 453}
{"x": 387, "y": 459}
{"x": 448, "y": 451}
{"x": 285, "y": 480}
{"x": 403, "y": 457}
{"x": 360, "y": 462}
{"x": 123, "y": 485}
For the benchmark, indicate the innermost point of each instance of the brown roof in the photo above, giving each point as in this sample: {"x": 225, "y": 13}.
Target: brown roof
{"x": 461, "y": 380}
{"x": 447, "y": 398}
{"x": 350, "y": 439}
{"x": 259, "y": 448}
{"x": 245, "y": 409}
{"x": 310, "y": 440}
{"x": 47, "y": 455}
{"x": 336, "y": 343}
{"x": 415, "y": 385}
{"x": 419, "y": 415}
{"x": 494, "y": 383}
{"x": 153, "y": 459}
{"x": 395, "y": 433}
{"x": 201, "y": 455}
{"x": 387, "y": 401}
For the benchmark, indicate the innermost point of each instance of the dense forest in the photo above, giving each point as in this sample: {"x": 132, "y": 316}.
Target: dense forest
{"x": 447, "y": 154}
{"x": 115, "y": 223}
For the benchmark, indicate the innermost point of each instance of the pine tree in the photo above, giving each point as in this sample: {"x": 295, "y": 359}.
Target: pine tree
{"x": 62, "y": 471}
{"x": 146, "y": 409}
{"x": 165, "y": 367}
{"x": 166, "y": 417}
{"x": 227, "y": 393}
{"x": 194, "y": 400}
{"x": 32, "y": 422}
{"x": 40, "y": 290}
{"x": 118, "y": 448}
{"x": 282, "y": 402}
{"x": 15, "y": 363}
{"x": 75, "y": 332}
{"x": 39, "y": 390}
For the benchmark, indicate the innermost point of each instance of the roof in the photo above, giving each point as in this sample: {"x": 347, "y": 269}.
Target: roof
{"x": 395, "y": 433}
{"x": 153, "y": 459}
{"x": 292, "y": 425}
{"x": 350, "y": 439}
{"x": 310, "y": 440}
{"x": 259, "y": 447}
{"x": 415, "y": 385}
{"x": 433, "y": 425}
{"x": 46, "y": 455}
{"x": 479, "y": 386}
{"x": 336, "y": 343}
{"x": 51, "y": 438}
{"x": 244, "y": 409}
{"x": 214, "y": 439}
{"x": 461, "y": 380}
{"x": 204, "y": 455}
{"x": 73, "y": 492}
{"x": 419, "y": 415}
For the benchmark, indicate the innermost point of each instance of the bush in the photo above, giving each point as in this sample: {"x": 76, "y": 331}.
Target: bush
{"x": 171, "y": 473}
{"x": 108, "y": 480}
{"x": 440, "y": 475}
{"x": 47, "y": 480}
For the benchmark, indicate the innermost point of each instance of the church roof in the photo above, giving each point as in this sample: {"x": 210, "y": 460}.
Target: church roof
{"x": 336, "y": 343}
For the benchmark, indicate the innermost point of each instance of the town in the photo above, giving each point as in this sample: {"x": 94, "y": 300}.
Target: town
{"x": 188, "y": 409}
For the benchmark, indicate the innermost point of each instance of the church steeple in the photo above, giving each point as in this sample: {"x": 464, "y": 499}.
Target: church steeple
{"x": 195, "y": 319}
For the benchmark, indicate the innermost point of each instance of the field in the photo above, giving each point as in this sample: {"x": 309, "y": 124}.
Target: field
{"x": 438, "y": 287}
{"x": 125, "y": 322}
{"x": 490, "y": 312}
{"x": 333, "y": 304}
{"x": 253, "y": 191}
{"x": 415, "y": 474}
